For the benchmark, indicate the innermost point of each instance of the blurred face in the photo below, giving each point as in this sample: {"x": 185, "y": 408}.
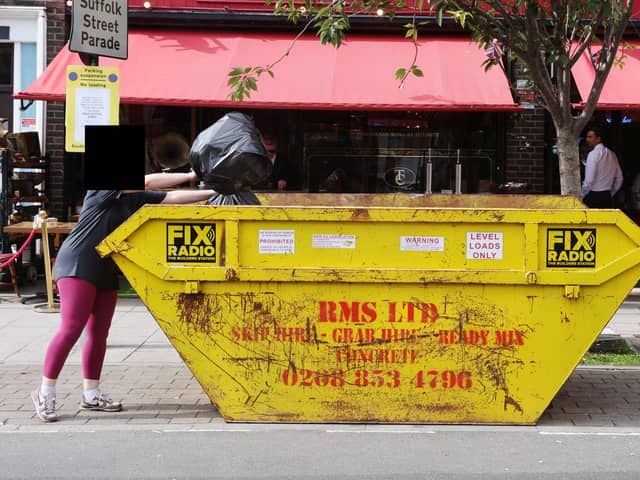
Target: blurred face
{"x": 271, "y": 148}
{"x": 592, "y": 139}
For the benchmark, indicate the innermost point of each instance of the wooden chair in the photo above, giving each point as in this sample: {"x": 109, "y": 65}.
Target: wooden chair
{"x": 12, "y": 270}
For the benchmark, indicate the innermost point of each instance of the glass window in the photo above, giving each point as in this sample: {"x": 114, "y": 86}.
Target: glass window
{"x": 369, "y": 152}
{"x": 376, "y": 152}
{"x": 6, "y": 63}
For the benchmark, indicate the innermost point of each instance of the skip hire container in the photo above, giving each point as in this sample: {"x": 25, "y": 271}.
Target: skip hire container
{"x": 382, "y": 308}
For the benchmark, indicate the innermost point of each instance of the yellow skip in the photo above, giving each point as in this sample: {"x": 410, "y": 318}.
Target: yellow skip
{"x": 385, "y": 314}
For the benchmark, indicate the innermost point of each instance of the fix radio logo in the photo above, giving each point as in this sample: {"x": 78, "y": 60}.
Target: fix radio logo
{"x": 571, "y": 247}
{"x": 191, "y": 242}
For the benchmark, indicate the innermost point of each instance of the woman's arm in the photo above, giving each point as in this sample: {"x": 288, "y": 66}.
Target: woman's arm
{"x": 158, "y": 181}
{"x": 187, "y": 196}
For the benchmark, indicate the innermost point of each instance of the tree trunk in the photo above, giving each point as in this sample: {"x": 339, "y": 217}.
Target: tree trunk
{"x": 569, "y": 162}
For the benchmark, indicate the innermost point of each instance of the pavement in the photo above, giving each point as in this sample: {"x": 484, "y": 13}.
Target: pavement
{"x": 144, "y": 370}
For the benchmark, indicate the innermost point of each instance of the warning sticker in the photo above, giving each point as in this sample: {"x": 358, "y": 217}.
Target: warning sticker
{"x": 333, "y": 240}
{"x": 421, "y": 243}
{"x": 276, "y": 241}
{"x": 571, "y": 247}
{"x": 191, "y": 242}
{"x": 485, "y": 245}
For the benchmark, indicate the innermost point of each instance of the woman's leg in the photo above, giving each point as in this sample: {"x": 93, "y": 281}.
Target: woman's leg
{"x": 97, "y": 331}
{"x": 94, "y": 352}
{"x": 77, "y": 298}
{"x": 76, "y": 303}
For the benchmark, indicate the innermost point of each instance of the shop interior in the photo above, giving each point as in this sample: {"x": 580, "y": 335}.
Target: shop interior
{"x": 345, "y": 152}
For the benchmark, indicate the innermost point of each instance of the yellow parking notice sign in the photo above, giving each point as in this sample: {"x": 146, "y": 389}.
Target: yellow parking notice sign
{"x": 93, "y": 98}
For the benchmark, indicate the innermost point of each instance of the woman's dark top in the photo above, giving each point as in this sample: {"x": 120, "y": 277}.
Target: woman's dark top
{"x": 102, "y": 212}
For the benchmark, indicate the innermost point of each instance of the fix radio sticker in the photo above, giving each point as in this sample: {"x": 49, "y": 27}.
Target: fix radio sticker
{"x": 571, "y": 247}
{"x": 191, "y": 242}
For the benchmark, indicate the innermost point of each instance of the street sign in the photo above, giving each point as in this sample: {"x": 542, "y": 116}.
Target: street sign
{"x": 99, "y": 27}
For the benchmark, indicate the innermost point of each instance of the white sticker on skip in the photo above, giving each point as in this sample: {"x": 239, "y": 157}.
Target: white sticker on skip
{"x": 277, "y": 241}
{"x": 330, "y": 240}
{"x": 485, "y": 245}
{"x": 421, "y": 243}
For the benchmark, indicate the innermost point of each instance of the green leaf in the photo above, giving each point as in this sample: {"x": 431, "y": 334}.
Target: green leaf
{"x": 416, "y": 71}
{"x": 439, "y": 16}
{"x": 401, "y": 73}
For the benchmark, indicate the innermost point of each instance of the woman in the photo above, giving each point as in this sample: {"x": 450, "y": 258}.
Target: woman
{"x": 88, "y": 286}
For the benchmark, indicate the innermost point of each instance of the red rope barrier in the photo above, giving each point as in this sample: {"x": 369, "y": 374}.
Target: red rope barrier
{"x": 19, "y": 252}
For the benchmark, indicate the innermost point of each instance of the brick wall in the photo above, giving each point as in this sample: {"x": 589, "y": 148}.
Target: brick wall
{"x": 525, "y": 146}
{"x": 56, "y": 36}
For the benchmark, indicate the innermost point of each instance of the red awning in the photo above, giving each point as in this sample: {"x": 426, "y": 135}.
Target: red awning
{"x": 189, "y": 68}
{"x": 620, "y": 91}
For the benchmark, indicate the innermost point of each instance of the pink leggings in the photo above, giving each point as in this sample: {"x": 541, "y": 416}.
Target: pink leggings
{"x": 81, "y": 304}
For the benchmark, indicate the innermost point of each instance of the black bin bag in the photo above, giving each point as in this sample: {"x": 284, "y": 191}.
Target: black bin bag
{"x": 229, "y": 156}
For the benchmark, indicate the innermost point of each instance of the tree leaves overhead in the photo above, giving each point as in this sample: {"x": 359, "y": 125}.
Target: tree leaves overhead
{"x": 331, "y": 20}
{"x": 547, "y": 36}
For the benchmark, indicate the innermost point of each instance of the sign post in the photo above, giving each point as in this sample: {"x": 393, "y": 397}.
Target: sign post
{"x": 98, "y": 27}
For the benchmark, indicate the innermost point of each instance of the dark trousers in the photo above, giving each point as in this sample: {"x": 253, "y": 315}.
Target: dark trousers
{"x": 598, "y": 199}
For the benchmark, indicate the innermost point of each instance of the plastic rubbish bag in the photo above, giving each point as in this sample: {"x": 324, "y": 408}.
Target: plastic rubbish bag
{"x": 229, "y": 156}
{"x": 240, "y": 198}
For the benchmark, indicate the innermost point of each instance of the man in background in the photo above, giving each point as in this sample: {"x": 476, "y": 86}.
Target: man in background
{"x": 280, "y": 176}
{"x": 603, "y": 175}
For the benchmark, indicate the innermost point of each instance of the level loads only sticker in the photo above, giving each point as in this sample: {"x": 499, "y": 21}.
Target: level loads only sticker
{"x": 485, "y": 245}
{"x": 192, "y": 242}
{"x": 571, "y": 247}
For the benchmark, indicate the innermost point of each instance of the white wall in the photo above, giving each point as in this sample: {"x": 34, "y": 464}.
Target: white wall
{"x": 27, "y": 25}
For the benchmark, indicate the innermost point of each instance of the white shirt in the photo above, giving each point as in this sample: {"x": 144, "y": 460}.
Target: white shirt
{"x": 602, "y": 171}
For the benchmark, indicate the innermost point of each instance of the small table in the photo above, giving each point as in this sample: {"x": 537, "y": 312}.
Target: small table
{"x": 57, "y": 228}
{"x": 24, "y": 228}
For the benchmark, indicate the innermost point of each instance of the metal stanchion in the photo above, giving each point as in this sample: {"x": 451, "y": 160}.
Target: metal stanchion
{"x": 458, "y": 174}
{"x": 429, "y": 174}
{"x": 50, "y": 306}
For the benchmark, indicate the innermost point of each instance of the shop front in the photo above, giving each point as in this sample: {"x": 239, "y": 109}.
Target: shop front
{"x": 619, "y": 112}
{"x": 340, "y": 118}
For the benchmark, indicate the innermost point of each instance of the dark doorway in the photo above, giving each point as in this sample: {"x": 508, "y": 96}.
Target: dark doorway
{"x": 6, "y": 82}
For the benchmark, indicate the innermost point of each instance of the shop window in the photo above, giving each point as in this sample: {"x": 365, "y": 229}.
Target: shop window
{"x": 369, "y": 152}
{"x": 389, "y": 152}
{"x": 6, "y": 83}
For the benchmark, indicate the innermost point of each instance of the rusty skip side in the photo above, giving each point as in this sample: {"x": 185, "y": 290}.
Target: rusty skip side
{"x": 374, "y": 314}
